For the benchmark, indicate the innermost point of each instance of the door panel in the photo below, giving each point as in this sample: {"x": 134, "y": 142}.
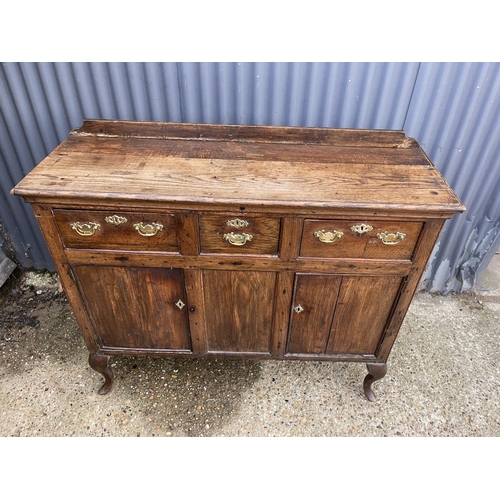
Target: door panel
{"x": 135, "y": 307}
{"x": 314, "y": 302}
{"x": 362, "y": 311}
{"x": 340, "y": 314}
{"x": 239, "y": 310}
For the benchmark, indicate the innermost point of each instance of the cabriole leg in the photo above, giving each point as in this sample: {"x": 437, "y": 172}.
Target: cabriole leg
{"x": 100, "y": 363}
{"x": 376, "y": 371}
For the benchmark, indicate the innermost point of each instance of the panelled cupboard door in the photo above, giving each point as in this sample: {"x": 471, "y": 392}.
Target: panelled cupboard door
{"x": 239, "y": 310}
{"x": 141, "y": 308}
{"x": 340, "y": 314}
{"x": 363, "y": 308}
{"x": 312, "y": 315}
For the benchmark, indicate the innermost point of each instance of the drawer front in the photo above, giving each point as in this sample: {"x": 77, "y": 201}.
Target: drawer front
{"x": 118, "y": 230}
{"x": 243, "y": 235}
{"x": 359, "y": 239}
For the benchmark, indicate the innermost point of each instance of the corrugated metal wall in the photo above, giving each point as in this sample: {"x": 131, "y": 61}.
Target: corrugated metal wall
{"x": 455, "y": 115}
{"x": 451, "y": 109}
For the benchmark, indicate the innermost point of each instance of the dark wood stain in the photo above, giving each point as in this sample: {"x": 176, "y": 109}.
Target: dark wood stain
{"x": 134, "y": 307}
{"x": 239, "y": 308}
{"x": 355, "y": 246}
{"x": 187, "y": 291}
{"x": 310, "y": 328}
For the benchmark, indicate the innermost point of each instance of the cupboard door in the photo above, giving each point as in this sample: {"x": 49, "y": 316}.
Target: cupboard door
{"x": 315, "y": 296}
{"x": 363, "y": 308}
{"x": 335, "y": 315}
{"x": 239, "y": 310}
{"x": 138, "y": 308}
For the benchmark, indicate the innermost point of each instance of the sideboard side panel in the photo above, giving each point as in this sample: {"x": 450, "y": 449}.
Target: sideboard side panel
{"x": 44, "y": 216}
{"x": 428, "y": 239}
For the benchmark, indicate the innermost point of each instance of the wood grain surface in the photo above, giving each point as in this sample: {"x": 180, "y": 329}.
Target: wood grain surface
{"x": 133, "y": 307}
{"x": 317, "y": 295}
{"x": 247, "y": 133}
{"x": 239, "y": 309}
{"x": 118, "y": 237}
{"x": 284, "y": 294}
{"x": 264, "y": 232}
{"x": 363, "y": 308}
{"x": 355, "y": 246}
{"x": 99, "y": 166}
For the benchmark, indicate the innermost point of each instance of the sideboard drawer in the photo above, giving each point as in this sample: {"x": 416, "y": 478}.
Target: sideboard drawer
{"x": 359, "y": 239}
{"x": 237, "y": 234}
{"x": 118, "y": 230}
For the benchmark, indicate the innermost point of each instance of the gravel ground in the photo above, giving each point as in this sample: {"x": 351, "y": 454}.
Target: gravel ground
{"x": 443, "y": 379}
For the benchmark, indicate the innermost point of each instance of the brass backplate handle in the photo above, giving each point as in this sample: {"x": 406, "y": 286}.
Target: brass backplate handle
{"x": 237, "y": 239}
{"x": 148, "y": 229}
{"x": 361, "y": 228}
{"x": 237, "y": 223}
{"x": 328, "y": 236}
{"x": 85, "y": 228}
{"x": 116, "y": 220}
{"x": 391, "y": 238}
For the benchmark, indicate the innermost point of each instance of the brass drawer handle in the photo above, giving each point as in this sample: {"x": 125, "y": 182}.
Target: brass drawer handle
{"x": 237, "y": 223}
{"x": 361, "y": 228}
{"x": 85, "y": 228}
{"x": 328, "y": 236}
{"x": 148, "y": 229}
{"x": 116, "y": 220}
{"x": 238, "y": 239}
{"x": 391, "y": 238}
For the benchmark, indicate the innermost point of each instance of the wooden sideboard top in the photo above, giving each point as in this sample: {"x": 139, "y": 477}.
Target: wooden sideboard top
{"x": 254, "y": 166}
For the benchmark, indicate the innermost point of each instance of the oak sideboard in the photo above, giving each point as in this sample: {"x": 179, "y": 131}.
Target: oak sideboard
{"x": 201, "y": 240}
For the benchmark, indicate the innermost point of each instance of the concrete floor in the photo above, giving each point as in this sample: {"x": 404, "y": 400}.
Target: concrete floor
{"x": 443, "y": 379}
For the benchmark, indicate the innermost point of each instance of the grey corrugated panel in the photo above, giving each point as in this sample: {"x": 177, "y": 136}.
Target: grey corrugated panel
{"x": 455, "y": 115}
{"x": 356, "y": 95}
{"x": 439, "y": 104}
{"x": 18, "y": 155}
